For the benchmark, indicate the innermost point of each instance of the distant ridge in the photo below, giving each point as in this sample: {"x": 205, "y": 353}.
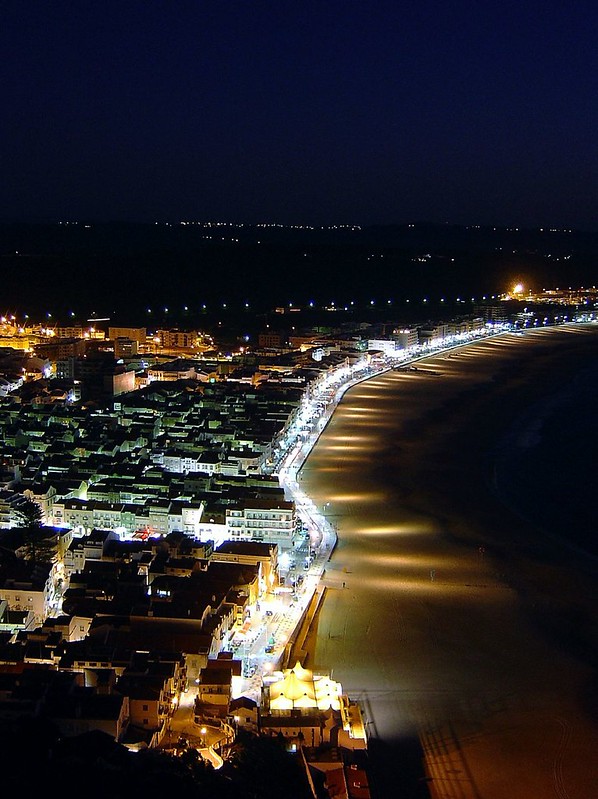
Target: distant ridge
{"x": 126, "y": 268}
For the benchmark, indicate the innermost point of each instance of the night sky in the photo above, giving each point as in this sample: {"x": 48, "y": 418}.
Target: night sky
{"x": 305, "y": 112}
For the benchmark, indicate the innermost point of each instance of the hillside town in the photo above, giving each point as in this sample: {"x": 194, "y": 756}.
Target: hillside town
{"x": 158, "y": 565}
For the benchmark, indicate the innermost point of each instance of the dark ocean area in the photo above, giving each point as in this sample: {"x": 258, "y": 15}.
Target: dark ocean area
{"x": 546, "y": 465}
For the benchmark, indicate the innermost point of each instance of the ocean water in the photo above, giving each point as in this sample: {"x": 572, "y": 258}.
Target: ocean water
{"x": 547, "y": 463}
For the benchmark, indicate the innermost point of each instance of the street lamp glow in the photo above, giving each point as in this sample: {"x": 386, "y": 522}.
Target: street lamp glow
{"x": 518, "y": 288}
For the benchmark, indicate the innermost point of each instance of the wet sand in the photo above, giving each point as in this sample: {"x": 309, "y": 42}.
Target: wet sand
{"x": 469, "y": 636}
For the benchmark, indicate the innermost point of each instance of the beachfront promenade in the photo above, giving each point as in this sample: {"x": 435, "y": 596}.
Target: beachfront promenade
{"x": 291, "y": 452}
{"x": 275, "y": 627}
{"x": 434, "y": 615}
{"x": 317, "y": 407}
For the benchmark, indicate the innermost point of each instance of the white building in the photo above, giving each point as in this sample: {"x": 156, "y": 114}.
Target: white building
{"x": 29, "y": 588}
{"x": 433, "y": 333}
{"x": 262, "y": 520}
{"x": 385, "y": 345}
{"x": 156, "y": 516}
{"x": 406, "y": 337}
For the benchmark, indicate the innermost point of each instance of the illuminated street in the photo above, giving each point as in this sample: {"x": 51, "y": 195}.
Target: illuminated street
{"x": 183, "y": 732}
{"x": 437, "y": 593}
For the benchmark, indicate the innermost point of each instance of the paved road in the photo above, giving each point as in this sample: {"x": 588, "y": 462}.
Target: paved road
{"x": 182, "y": 731}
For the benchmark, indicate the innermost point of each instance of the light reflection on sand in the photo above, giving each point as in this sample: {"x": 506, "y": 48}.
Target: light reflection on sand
{"x": 418, "y": 621}
{"x": 359, "y": 496}
{"x": 395, "y": 529}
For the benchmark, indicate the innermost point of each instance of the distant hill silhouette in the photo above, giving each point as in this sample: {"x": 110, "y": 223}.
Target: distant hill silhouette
{"x": 121, "y": 269}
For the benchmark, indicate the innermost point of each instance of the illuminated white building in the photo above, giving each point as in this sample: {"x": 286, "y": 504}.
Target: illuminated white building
{"x": 406, "y": 337}
{"x": 433, "y": 333}
{"x": 307, "y": 706}
{"x": 155, "y": 516}
{"x": 29, "y": 588}
{"x": 385, "y": 345}
{"x": 262, "y": 520}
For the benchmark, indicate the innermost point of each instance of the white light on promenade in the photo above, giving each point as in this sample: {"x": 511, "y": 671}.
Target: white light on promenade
{"x": 319, "y": 402}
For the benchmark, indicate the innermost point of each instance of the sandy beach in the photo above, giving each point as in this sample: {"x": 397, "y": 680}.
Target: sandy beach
{"x": 469, "y": 635}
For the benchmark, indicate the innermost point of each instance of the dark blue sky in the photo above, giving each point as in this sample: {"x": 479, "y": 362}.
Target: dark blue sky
{"x": 316, "y": 112}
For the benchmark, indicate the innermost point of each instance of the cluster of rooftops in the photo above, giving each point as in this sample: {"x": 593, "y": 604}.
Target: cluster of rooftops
{"x": 158, "y": 453}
